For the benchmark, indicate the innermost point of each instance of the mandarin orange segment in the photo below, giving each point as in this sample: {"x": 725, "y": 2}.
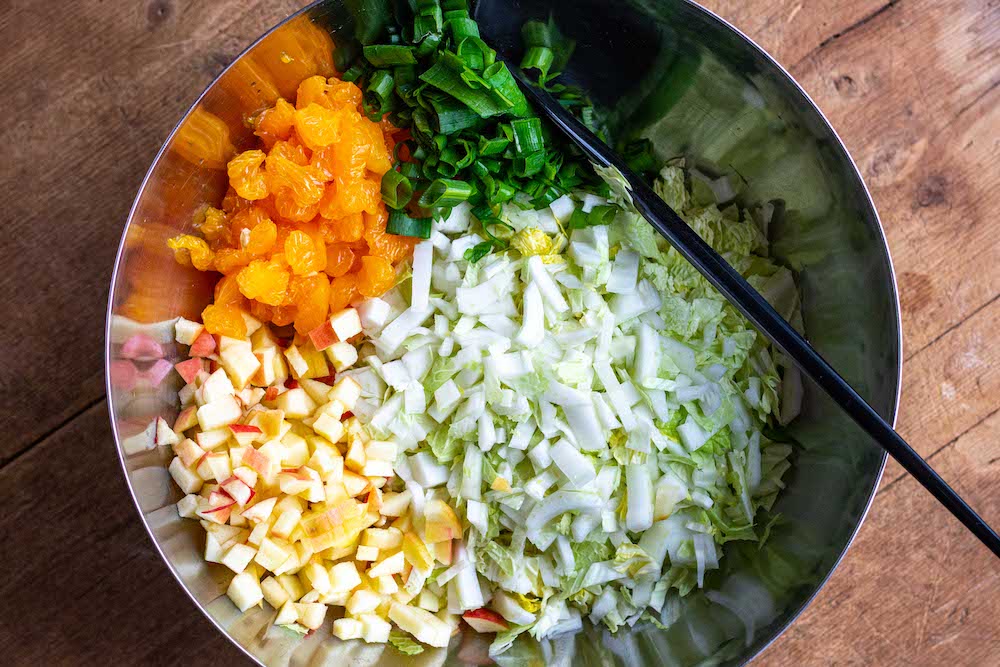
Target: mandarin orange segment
{"x": 283, "y": 315}
{"x": 343, "y": 291}
{"x": 224, "y": 320}
{"x": 317, "y": 126}
{"x": 302, "y": 253}
{"x": 264, "y": 280}
{"x": 246, "y": 175}
{"x": 275, "y": 124}
{"x": 376, "y": 276}
{"x": 261, "y": 239}
{"x": 227, "y": 292}
{"x": 339, "y": 259}
{"x": 347, "y": 229}
{"x": 304, "y": 182}
{"x": 230, "y": 260}
{"x": 311, "y": 296}
{"x": 191, "y": 250}
{"x": 390, "y": 247}
{"x": 214, "y": 226}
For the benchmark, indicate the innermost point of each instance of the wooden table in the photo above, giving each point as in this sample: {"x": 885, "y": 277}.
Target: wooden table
{"x": 92, "y": 88}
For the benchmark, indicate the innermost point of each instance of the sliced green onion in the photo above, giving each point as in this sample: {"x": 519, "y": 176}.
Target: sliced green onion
{"x": 446, "y": 193}
{"x": 378, "y": 95}
{"x": 396, "y": 189}
{"x": 401, "y": 224}
{"x": 451, "y": 116}
{"x": 354, "y": 72}
{"x": 386, "y": 55}
{"x": 527, "y": 135}
{"x": 478, "y": 251}
{"x": 529, "y": 165}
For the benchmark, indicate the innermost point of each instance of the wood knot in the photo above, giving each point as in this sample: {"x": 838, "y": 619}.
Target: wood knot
{"x": 158, "y": 12}
{"x": 846, "y": 85}
{"x": 933, "y": 191}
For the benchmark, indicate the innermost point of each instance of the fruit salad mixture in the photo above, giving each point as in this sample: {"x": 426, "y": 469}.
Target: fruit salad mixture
{"x": 449, "y": 376}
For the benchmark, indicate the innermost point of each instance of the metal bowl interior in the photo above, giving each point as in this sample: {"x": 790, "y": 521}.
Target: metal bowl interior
{"x": 709, "y": 93}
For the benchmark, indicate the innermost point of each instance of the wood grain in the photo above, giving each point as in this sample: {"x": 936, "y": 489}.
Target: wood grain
{"x": 95, "y": 87}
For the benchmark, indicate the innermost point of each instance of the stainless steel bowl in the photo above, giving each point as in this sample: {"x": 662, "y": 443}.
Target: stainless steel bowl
{"x": 711, "y": 94}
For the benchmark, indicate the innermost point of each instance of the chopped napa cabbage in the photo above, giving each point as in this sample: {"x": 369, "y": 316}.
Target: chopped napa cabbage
{"x": 599, "y": 416}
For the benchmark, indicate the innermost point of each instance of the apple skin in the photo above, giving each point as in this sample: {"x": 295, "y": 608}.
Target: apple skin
{"x": 323, "y": 336}
{"x": 189, "y": 369}
{"x": 203, "y": 345}
{"x": 485, "y": 620}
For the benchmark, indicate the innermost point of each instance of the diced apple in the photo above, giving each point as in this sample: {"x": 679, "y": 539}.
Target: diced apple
{"x": 186, "y": 397}
{"x": 286, "y": 523}
{"x": 213, "y": 550}
{"x": 186, "y": 332}
{"x": 334, "y": 409}
{"x": 387, "y": 566}
{"x": 272, "y": 554}
{"x": 323, "y": 336}
{"x": 346, "y": 324}
{"x": 377, "y": 469}
{"x": 292, "y": 586}
{"x": 215, "y": 465}
{"x": 317, "y": 576}
{"x": 366, "y": 554}
{"x": 440, "y": 522}
{"x": 363, "y": 601}
{"x": 238, "y": 489}
{"x": 342, "y": 355}
{"x": 296, "y": 362}
{"x": 186, "y": 479}
{"x": 260, "y": 512}
{"x": 311, "y": 615}
{"x": 209, "y": 440}
{"x": 238, "y": 359}
{"x": 296, "y": 451}
{"x": 383, "y": 539}
{"x": 244, "y": 590}
{"x": 189, "y": 369}
{"x": 296, "y": 404}
{"x": 395, "y": 504}
{"x": 274, "y": 593}
{"x": 328, "y": 427}
{"x": 165, "y": 435}
{"x": 422, "y": 624}
{"x": 246, "y": 434}
{"x": 258, "y": 533}
{"x": 187, "y": 419}
{"x": 203, "y": 345}
{"x": 485, "y": 620}
{"x": 317, "y": 390}
{"x": 385, "y": 585}
{"x": 416, "y": 553}
{"x": 219, "y": 413}
{"x": 287, "y": 613}
{"x": 443, "y": 552}
{"x": 347, "y": 628}
{"x": 374, "y": 629}
{"x": 238, "y": 557}
{"x": 187, "y": 506}
{"x": 355, "y": 484}
{"x": 257, "y": 461}
{"x": 344, "y": 577}
{"x": 246, "y": 474}
{"x": 347, "y": 391}
{"x": 355, "y": 458}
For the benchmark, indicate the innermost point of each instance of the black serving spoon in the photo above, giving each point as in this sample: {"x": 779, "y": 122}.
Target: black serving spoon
{"x": 728, "y": 281}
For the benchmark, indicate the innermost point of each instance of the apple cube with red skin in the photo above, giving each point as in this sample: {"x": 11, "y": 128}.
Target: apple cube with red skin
{"x": 219, "y": 413}
{"x": 238, "y": 490}
{"x": 323, "y": 336}
{"x": 346, "y": 324}
{"x": 187, "y": 419}
{"x": 214, "y": 465}
{"x": 485, "y": 620}
{"x": 189, "y": 369}
{"x": 213, "y": 439}
{"x": 261, "y": 511}
{"x": 260, "y": 463}
{"x": 441, "y": 524}
{"x": 238, "y": 359}
{"x": 245, "y": 434}
{"x": 188, "y": 452}
{"x": 203, "y": 345}
{"x": 244, "y": 473}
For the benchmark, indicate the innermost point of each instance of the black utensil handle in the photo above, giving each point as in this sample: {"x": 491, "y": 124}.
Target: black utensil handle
{"x": 756, "y": 309}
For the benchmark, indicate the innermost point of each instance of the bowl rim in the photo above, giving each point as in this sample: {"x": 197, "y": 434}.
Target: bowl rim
{"x": 710, "y": 15}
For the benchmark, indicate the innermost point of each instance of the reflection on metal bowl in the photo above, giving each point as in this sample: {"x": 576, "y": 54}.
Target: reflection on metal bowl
{"x": 708, "y": 93}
